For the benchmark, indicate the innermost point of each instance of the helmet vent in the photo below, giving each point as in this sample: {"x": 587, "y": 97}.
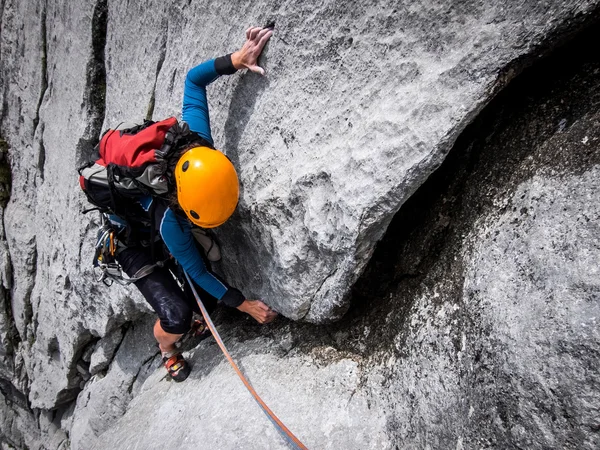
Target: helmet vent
{"x": 194, "y": 214}
{"x": 185, "y": 166}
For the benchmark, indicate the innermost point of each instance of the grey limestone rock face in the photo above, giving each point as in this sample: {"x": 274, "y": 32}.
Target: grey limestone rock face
{"x": 104, "y": 351}
{"x": 361, "y": 103}
{"x": 533, "y": 283}
{"x": 47, "y": 110}
{"x": 106, "y": 396}
{"x": 509, "y": 362}
{"x": 481, "y": 334}
{"x": 318, "y": 402}
{"x": 491, "y": 272}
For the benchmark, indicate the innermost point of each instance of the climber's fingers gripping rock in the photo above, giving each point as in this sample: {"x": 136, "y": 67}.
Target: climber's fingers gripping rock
{"x": 257, "y": 309}
{"x": 247, "y": 56}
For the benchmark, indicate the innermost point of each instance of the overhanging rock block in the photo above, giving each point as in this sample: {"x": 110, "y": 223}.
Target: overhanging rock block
{"x": 360, "y": 105}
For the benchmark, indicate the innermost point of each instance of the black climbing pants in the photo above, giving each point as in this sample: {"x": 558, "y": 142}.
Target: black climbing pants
{"x": 173, "y": 304}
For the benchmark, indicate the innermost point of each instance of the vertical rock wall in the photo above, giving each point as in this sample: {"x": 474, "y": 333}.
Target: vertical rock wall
{"x": 52, "y": 108}
{"x": 362, "y": 103}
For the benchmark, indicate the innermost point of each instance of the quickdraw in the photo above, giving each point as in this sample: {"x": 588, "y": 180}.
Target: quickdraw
{"x": 106, "y": 267}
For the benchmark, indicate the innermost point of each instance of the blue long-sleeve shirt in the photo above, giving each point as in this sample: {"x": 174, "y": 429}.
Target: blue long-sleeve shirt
{"x": 195, "y": 104}
{"x": 176, "y": 230}
{"x": 176, "y": 233}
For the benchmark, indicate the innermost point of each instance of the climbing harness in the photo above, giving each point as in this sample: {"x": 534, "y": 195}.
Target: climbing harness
{"x": 289, "y": 437}
{"x": 106, "y": 267}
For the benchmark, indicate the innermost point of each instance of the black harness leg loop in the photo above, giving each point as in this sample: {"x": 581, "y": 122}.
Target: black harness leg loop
{"x": 152, "y": 230}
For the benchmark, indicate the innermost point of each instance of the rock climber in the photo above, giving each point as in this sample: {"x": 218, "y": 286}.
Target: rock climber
{"x": 207, "y": 194}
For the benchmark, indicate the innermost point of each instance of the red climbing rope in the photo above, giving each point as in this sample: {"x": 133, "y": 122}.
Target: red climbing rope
{"x": 292, "y": 440}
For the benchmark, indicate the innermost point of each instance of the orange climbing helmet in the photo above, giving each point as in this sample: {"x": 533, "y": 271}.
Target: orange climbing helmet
{"x": 207, "y": 186}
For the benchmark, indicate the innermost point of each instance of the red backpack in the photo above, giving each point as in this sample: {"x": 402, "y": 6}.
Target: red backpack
{"x": 131, "y": 163}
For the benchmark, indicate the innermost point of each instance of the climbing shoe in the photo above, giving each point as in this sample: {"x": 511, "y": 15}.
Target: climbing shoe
{"x": 199, "y": 329}
{"x": 198, "y": 332}
{"x": 177, "y": 367}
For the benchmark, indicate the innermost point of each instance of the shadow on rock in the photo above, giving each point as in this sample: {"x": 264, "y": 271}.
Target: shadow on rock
{"x": 249, "y": 88}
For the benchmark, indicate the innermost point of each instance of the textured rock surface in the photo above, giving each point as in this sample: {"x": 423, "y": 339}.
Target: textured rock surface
{"x": 491, "y": 268}
{"x": 486, "y": 334}
{"x": 510, "y": 360}
{"x": 106, "y": 396}
{"x": 57, "y": 307}
{"x": 319, "y": 401}
{"x": 474, "y": 322}
{"x": 104, "y": 351}
{"x": 361, "y": 104}
{"x": 534, "y": 279}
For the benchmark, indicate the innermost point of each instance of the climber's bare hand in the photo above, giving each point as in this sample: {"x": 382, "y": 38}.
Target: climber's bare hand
{"x": 257, "y": 309}
{"x": 247, "y": 56}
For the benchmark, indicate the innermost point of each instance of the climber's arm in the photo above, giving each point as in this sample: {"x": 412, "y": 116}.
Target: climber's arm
{"x": 195, "y": 104}
{"x": 177, "y": 236}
